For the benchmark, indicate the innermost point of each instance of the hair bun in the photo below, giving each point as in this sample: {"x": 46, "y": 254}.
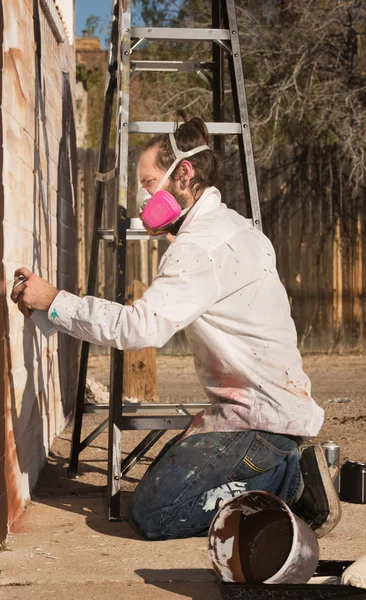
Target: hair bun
{"x": 191, "y": 133}
{"x": 200, "y": 125}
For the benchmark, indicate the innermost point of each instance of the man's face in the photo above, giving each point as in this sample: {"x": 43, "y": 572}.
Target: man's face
{"x": 148, "y": 172}
{"x": 150, "y": 175}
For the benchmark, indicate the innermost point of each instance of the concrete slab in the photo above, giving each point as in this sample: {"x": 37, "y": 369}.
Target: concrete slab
{"x": 130, "y": 591}
{"x": 65, "y": 548}
{"x": 70, "y": 540}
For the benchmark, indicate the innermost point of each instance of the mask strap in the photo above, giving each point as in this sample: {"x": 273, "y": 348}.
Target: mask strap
{"x": 179, "y": 155}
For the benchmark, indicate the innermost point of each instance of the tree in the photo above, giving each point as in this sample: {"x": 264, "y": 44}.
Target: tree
{"x": 307, "y": 82}
{"x": 304, "y": 64}
{"x": 92, "y": 25}
{"x": 98, "y": 26}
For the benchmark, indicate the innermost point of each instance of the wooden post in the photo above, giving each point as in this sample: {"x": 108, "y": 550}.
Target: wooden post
{"x": 140, "y": 379}
{"x": 357, "y": 286}
{"x": 337, "y": 286}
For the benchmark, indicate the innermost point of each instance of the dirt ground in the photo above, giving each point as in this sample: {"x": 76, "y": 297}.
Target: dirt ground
{"x": 65, "y": 546}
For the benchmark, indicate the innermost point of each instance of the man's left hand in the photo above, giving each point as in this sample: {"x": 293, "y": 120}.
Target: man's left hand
{"x": 34, "y": 294}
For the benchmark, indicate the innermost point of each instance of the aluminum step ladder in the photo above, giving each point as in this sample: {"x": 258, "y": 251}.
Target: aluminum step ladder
{"x": 124, "y": 41}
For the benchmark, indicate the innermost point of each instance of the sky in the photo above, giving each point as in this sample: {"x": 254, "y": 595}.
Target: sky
{"x": 98, "y": 8}
{"x": 85, "y": 8}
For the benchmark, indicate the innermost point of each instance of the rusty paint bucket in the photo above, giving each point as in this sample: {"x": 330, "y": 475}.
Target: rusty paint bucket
{"x": 255, "y": 538}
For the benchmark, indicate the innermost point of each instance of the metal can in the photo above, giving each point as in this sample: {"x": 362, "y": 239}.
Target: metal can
{"x": 353, "y": 482}
{"x": 333, "y": 457}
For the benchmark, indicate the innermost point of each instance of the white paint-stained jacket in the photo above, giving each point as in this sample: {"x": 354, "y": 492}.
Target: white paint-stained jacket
{"x": 218, "y": 281}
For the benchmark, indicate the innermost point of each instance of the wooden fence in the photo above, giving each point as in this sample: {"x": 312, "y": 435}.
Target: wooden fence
{"x": 318, "y": 230}
{"x": 316, "y": 226}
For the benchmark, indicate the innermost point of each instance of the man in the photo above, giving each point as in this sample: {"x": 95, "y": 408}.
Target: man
{"x": 218, "y": 281}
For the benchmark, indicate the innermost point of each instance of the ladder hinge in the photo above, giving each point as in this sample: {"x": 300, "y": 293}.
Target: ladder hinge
{"x": 103, "y": 177}
{"x": 106, "y": 235}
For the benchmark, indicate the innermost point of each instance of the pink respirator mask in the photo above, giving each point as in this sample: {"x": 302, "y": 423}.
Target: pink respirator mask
{"x": 160, "y": 210}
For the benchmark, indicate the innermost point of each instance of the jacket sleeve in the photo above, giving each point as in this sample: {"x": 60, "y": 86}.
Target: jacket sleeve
{"x": 185, "y": 287}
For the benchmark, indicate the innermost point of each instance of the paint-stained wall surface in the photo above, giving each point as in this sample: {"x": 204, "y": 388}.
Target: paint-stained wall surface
{"x": 37, "y": 230}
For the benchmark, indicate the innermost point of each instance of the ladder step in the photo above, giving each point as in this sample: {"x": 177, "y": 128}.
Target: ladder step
{"x": 108, "y": 235}
{"x": 142, "y": 234}
{"x": 148, "y": 407}
{"x": 151, "y": 423}
{"x": 173, "y": 66}
{"x": 105, "y": 234}
{"x": 180, "y": 33}
{"x": 168, "y": 127}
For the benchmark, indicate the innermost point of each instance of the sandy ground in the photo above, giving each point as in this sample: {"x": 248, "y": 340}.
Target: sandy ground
{"x": 65, "y": 547}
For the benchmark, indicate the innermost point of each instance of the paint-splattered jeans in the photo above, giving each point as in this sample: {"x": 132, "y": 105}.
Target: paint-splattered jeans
{"x": 185, "y": 485}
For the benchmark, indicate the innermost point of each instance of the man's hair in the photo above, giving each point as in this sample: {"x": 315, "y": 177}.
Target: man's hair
{"x": 188, "y": 135}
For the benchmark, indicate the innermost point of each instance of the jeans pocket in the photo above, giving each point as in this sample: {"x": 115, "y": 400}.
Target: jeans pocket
{"x": 260, "y": 457}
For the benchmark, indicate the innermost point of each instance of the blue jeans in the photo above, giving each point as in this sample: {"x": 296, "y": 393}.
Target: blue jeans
{"x": 182, "y": 489}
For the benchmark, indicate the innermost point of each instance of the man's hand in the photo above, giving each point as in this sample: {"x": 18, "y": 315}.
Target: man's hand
{"x": 33, "y": 294}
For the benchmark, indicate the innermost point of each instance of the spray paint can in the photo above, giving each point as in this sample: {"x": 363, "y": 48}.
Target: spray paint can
{"x": 39, "y": 318}
{"x": 333, "y": 456}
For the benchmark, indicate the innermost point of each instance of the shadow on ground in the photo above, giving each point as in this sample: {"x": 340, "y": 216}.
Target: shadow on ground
{"x": 87, "y": 493}
{"x": 183, "y": 582}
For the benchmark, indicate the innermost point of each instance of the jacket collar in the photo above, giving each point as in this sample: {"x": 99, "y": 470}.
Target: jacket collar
{"x": 209, "y": 201}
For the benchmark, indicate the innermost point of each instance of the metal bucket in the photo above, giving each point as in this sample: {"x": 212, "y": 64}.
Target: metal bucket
{"x": 255, "y": 538}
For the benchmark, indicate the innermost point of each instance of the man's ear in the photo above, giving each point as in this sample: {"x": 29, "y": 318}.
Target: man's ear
{"x": 185, "y": 171}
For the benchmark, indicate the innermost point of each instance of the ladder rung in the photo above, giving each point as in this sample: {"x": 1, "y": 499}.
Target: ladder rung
{"x": 103, "y": 177}
{"x": 146, "y": 407}
{"x": 142, "y": 234}
{"x": 105, "y": 234}
{"x": 169, "y": 126}
{"x": 108, "y": 235}
{"x": 180, "y": 33}
{"x": 186, "y": 66}
{"x": 151, "y": 423}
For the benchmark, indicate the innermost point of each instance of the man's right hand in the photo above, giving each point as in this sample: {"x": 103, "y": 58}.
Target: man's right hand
{"x": 34, "y": 294}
